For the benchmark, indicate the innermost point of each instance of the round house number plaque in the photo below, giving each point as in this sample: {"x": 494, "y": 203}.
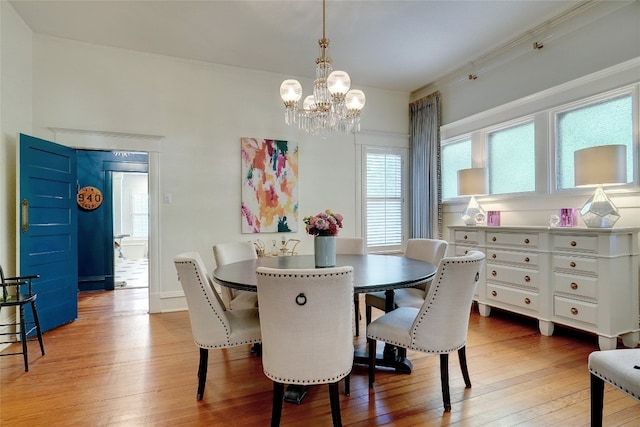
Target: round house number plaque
{"x": 89, "y": 198}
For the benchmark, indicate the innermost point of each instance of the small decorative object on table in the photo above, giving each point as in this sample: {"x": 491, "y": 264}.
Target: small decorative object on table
{"x": 568, "y": 217}
{"x": 324, "y": 226}
{"x": 493, "y": 218}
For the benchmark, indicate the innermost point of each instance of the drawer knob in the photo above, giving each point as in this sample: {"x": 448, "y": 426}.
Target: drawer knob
{"x": 574, "y": 286}
{"x": 465, "y": 237}
{"x": 526, "y": 241}
{"x": 494, "y": 256}
{"x": 494, "y": 273}
{"x": 527, "y": 301}
{"x": 572, "y": 264}
{"x": 494, "y": 238}
{"x": 573, "y": 243}
{"x": 466, "y": 252}
{"x": 494, "y": 293}
{"x": 574, "y": 311}
{"x": 527, "y": 279}
{"x": 526, "y": 259}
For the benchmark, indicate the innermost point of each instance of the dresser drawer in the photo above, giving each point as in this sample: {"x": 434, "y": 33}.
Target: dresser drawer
{"x": 469, "y": 237}
{"x": 524, "y": 258}
{"x": 577, "y": 264}
{"x": 512, "y": 239}
{"x": 513, "y": 275}
{"x": 512, "y": 296}
{"x": 463, "y": 250}
{"x": 575, "y": 310}
{"x": 570, "y": 242}
{"x": 579, "y": 286}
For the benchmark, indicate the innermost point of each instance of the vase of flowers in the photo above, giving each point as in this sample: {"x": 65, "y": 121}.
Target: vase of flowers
{"x": 324, "y": 227}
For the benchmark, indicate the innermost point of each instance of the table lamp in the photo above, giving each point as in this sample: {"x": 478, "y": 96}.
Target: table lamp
{"x": 599, "y": 166}
{"x": 472, "y": 182}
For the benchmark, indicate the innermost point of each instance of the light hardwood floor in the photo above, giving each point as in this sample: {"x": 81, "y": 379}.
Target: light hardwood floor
{"x": 116, "y": 365}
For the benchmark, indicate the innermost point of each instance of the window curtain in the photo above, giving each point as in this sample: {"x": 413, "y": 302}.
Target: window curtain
{"x": 426, "y": 188}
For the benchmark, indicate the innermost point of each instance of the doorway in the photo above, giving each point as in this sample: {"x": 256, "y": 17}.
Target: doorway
{"x": 130, "y": 193}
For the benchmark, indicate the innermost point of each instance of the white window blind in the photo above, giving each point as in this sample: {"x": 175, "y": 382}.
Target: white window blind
{"x": 140, "y": 215}
{"x": 384, "y": 199}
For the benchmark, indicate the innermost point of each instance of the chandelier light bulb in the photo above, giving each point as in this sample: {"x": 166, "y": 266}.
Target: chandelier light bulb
{"x": 332, "y": 107}
{"x": 355, "y": 100}
{"x": 338, "y": 83}
{"x": 290, "y": 90}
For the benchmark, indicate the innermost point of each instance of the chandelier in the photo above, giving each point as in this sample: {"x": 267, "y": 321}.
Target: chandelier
{"x": 332, "y": 107}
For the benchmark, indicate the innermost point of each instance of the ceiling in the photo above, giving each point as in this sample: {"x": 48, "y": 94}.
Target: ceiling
{"x": 397, "y": 44}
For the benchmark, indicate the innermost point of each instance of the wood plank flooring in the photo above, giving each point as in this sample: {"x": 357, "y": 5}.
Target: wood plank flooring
{"x": 116, "y": 365}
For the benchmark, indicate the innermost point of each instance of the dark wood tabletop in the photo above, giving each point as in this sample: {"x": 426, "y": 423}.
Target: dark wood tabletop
{"x": 371, "y": 273}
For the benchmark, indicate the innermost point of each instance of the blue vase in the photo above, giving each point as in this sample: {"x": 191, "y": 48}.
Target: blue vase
{"x": 325, "y": 251}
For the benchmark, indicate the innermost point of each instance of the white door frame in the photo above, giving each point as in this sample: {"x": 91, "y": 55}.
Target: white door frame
{"x": 118, "y": 141}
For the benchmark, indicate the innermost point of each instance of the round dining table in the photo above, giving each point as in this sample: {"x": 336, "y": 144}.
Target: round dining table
{"x": 371, "y": 273}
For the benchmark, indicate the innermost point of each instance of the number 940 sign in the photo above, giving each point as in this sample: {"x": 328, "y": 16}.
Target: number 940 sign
{"x": 89, "y": 198}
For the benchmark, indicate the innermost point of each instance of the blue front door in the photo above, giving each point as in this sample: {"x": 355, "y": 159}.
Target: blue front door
{"x": 48, "y": 227}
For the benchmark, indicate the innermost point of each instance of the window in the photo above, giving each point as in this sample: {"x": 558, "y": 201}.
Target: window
{"x": 385, "y": 202}
{"x": 454, "y": 156}
{"x": 140, "y": 215}
{"x": 512, "y": 166}
{"x": 604, "y": 122}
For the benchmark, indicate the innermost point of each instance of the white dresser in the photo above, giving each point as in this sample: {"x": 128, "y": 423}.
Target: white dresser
{"x": 584, "y": 278}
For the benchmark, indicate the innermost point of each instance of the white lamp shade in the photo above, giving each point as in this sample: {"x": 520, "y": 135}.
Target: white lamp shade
{"x": 290, "y": 90}
{"x": 605, "y": 164}
{"x": 472, "y": 181}
{"x": 338, "y": 83}
{"x": 355, "y": 99}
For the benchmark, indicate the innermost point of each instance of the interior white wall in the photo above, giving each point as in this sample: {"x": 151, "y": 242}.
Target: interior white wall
{"x": 199, "y": 111}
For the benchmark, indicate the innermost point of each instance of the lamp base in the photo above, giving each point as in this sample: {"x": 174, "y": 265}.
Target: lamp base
{"x": 473, "y": 213}
{"x": 599, "y": 211}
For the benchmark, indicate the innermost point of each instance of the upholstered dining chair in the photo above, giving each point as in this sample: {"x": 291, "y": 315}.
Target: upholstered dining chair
{"x": 307, "y": 339}
{"x": 620, "y": 368}
{"x": 427, "y": 250}
{"x": 440, "y": 326}
{"x": 352, "y": 246}
{"x": 226, "y": 253}
{"x": 211, "y": 325}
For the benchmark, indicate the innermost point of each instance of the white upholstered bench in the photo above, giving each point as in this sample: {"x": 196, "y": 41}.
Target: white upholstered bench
{"x": 620, "y": 368}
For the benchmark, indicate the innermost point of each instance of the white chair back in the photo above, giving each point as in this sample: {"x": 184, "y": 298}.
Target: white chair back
{"x": 306, "y": 319}
{"x": 350, "y": 246}
{"x": 443, "y": 321}
{"x": 226, "y": 253}
{"x": 209, "y": 323}
{"x": 427, "y": 250}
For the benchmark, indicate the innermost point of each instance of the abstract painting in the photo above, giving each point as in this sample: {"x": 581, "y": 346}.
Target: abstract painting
{"x": 269, "y": 186}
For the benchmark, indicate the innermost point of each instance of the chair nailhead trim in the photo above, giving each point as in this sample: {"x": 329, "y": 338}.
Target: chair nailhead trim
{"x": 310, "y": 381}
{"x": 614, "y": 383}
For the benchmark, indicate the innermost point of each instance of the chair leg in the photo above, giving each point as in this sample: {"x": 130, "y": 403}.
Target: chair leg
{"x": 367, "y": 314}
{"x": 347, "y": 385}
{"x": 276, "y": 409}
{"x": 37, "y": 323}
{"x": 372, "y": 361}
{"x": 444, "y": 379}
{"x": 23, "y": 338}
{"x": 597, "y": 397}
{"x": 202, "y": 372}
{"x": 356, "y": 308}
{"x": 334, "y": 398}
{"x": 462, "y": 356}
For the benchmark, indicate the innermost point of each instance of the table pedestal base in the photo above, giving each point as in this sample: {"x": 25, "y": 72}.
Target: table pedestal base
{"x": 295, "y": 393}
{"x": 391, "y": 357}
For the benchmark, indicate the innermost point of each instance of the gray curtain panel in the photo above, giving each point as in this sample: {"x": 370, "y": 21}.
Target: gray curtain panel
{"x": 426, "y": 190}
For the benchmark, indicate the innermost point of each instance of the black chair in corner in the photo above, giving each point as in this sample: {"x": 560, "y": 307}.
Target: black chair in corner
{"x": 17, "y": 292}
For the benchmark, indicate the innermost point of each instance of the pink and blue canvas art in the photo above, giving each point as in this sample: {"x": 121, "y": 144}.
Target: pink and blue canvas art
{"x": 269, "y": 186}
